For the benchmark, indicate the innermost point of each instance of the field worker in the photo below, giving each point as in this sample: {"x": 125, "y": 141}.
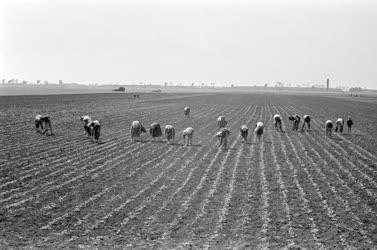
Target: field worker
{"x": 244, "y": 130}
{"x": 349, "y": 124}
{"x": 277, "y": 120}
{"x": 223, "y": 137}
{"x": 296, "y": 122}
{"x": 169, "y": 133}
{"x": 339, "y": 125}
{"x": 136, "y": 130}
{"x": 86, "y": 120}
{"x": 221, "y": 122}
{"x": 188, "y": 134}
{"x": 259, "y": 130}
{"x": 186, "y": 111}
{"x": 155, "y": 130}
{"x": 43, "y": 124}
{"x": 328, "y": 127}
{"x": 95, "y": 129}
{"x": 306, "y": 122}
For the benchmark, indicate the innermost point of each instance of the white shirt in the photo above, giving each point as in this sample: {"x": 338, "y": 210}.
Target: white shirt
{"x": 339, "y": 121}
{"x": 38, "y": 117}
{"x": 96, "y": 123}
{"x": 169, "y": 127}
{"x": 85, "y": 118}
{"x": 188, "y": 131}
{"x": 277, "y": 116}
{"x": 154, "y": 124}
{"x": 221, "y": 118}
{"x": 259, "y": 127}
{"x": 135, "y": 124}
{"x": 244, "y": 128}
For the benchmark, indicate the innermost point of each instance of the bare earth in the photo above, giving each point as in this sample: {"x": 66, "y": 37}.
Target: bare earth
{"x": 292, "y": 189}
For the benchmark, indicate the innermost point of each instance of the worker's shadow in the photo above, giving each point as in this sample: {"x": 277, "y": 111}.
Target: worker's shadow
{"x": 108, "y": 140}
{"x": 229, "y": 149}
{"x": 288, "y": 132}
{"x": 193, "y": 145}
{"x": 311, "y": 131}
{"x": 254, "y": 143}
{"x": 158, "y": 141}
{"x": 334, "y": 138}
{"x": 141, "y": 141}
{"x": 351, "y": 135}
{"x": 257, "y": 142}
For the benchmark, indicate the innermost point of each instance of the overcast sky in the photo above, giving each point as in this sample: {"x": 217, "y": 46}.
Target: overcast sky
{"x": 240, "y": 42}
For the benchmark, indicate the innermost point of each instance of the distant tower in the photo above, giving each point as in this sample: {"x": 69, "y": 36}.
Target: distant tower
{"x": 328, "y": 84}
{"x": 60, "y": 82}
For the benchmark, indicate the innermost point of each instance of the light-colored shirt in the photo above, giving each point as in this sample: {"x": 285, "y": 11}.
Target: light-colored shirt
{"x": 85, "y": 118}
{"x": 277, "y": 117}
{"x": 244, "y": 128}
{"x": 96, "y": 123}
{"x": 221, "y": 118}
{"x": 188, "y": 131}
{"x": 135, "y": 124}
{"x": 154, "y": 124}
{"x": 169, "y": 127}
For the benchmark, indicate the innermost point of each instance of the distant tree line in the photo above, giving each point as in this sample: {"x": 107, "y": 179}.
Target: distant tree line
{"x": 122, "y": 89}
{"x": 355, "y": 89}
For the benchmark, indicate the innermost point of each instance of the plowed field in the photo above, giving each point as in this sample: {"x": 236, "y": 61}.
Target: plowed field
{"x": 292, "y": 189}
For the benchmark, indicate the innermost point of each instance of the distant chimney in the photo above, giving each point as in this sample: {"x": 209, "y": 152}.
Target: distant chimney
{"x": 328, "y": 83}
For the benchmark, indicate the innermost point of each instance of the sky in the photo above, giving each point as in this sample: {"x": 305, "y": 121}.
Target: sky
{"x": 227, "y": 42}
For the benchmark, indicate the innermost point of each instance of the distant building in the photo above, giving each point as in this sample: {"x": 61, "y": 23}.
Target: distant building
{"x": 328, "y": 84}
{"x": 60, "y": 82}
{"x": 3, "y": 81}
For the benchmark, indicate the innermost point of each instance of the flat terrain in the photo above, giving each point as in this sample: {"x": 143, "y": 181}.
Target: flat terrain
{"x": 293, "y": 189}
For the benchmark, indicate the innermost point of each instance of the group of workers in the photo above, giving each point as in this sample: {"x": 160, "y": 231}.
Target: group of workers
{"x": 93, "y": 128}
{"x": 339, "y": 125}
{"x": 155, "y": 131}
